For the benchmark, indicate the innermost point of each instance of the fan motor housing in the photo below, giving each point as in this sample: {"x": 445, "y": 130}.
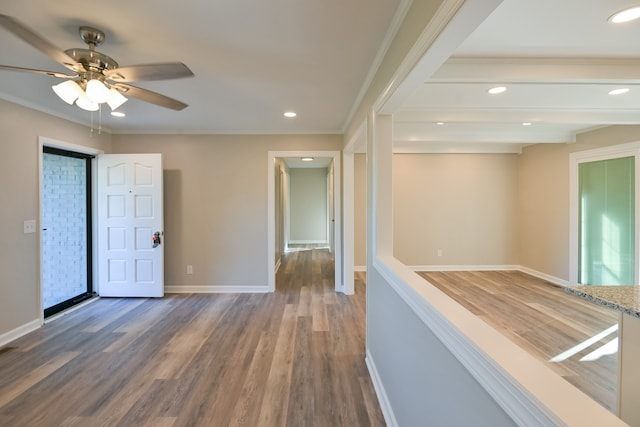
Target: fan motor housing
{"x": 92, "y": 60}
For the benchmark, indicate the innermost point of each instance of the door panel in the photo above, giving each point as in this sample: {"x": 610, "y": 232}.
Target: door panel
{"x": 607, "y": 222}
{"x": 129, "y": 213}
{"x": 66, "y": 229}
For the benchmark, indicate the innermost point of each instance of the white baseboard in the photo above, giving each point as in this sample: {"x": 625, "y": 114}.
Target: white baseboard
{"x": 383, "y": 399}
{"x": 360, "y": 268}
{"x": 308, "y": 242}
{"x": 543, "y": 276}
{"x": 216, "y": 289}
{"x": 464, "y": 267}
{"x": 20, "y": 331}
{"x": 521, "y": 268}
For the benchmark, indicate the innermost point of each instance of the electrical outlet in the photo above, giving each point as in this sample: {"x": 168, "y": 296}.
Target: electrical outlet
{"x": 29, "y": 226}
{"x": 189, "y": 269}
{"x": 439, "y": 252}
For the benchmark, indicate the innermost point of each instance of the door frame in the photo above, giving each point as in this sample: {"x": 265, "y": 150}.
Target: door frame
{"x": 357, "y": 144}
{"x": 631, "y": 149}
{"x": 63, "y": 145}
{"x": 271, "y": 217}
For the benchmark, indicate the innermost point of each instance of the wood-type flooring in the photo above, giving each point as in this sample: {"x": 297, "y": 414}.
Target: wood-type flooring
{"x": 561, "y": 330}
{"x": 290, "y": 358}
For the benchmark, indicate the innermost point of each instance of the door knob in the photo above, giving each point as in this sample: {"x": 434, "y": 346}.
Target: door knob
{"x": 156, "y": 239}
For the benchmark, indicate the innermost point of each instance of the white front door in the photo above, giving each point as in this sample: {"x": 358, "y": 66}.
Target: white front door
{"x": 130, "y": 225}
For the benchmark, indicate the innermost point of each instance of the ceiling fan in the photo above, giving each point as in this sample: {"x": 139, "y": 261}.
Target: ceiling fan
{"x": 96, "y": 78}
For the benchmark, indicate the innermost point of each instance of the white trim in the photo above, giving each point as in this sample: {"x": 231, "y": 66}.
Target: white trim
{"x": 526, "y": 389}
{"x": 396, "y": 22}
{"x": 605, "y": 153}
{"x": 357, "y": 141}
{"x": 55, "y": 143}
{"x": 360, "y": 268}
{"x": 520, "y": 268}
{"x": 463, "y": 267}
{"x": 383, "y": 399}
{"x": 309, "y": 242}
{"x": 439, "y": 147}
{"x": 271, "y": 234}
{"x": 452, "y": 23}
{"x": 551, "y": 279}
{"x": 20, "y": 331}
{"x": 216, "y": 289}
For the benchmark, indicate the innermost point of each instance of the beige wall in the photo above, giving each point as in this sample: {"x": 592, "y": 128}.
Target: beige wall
{"x": 19, "y": 189}
{"x": 484, "y": 209}
{"x": 543, "y": 203}
{"x": 308, "y": 205}
{"x": 216, "y": 202}
{"x": 462, "y": 204}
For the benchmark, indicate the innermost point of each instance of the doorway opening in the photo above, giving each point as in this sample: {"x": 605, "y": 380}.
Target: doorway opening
{"x": 304, "y": 213}
{"x": 307, "y": 203}
{"x": 66, "y": 229}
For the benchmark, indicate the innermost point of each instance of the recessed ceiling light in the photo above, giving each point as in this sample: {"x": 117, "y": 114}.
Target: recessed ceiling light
{"x": 619, "y": 91}
{"x": 290, "y": 114}
{"x": 440, "y": 123}
{"x": 625, "y": 15}
{"x": 497, "y": 89}
{"x": 118, "y": 114}
{"x": 307, "y": 159}
{"x": 526, "y": 123}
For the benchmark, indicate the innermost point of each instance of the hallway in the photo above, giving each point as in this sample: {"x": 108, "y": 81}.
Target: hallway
{"x": 200, "y": 359}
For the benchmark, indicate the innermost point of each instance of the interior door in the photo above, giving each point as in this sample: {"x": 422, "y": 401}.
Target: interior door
{"x": 130, "y": 224}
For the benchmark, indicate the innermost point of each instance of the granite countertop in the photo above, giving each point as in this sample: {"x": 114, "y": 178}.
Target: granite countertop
{"x": 622, "y": 298}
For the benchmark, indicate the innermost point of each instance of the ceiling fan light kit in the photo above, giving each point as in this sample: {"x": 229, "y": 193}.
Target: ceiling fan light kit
{"x": 68, "y": 91}
{"x": 96, "y": 93}
{"x": 115, "y": 99}
{"x": 96, "y": 78}
{"x": 86, "y": 103}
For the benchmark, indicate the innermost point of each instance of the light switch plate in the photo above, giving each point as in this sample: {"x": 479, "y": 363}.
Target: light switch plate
{"x": 30, "y": 226}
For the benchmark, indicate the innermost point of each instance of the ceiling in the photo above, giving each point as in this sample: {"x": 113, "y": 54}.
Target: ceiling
{"x": 255, "y": 60}
{"x": 316, "y": 163}
{"x": 558, "y": 61}
{"x": 252, "y": 60}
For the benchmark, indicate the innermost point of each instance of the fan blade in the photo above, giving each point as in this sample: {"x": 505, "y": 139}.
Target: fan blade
{"x": 149, "y": 96}
{"x": 12, "y": 25}
{"x": 31, "y": 70}
{"x": 148, "y": 72}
